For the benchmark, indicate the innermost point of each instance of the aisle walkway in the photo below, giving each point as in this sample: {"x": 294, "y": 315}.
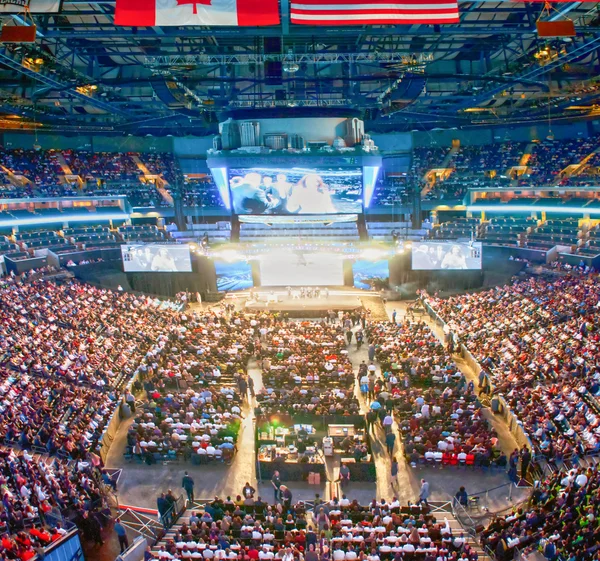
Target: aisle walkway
{"x": 407, "y": 487}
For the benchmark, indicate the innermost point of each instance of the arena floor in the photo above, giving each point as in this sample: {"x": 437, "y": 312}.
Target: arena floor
{"x": 139, "y": 485}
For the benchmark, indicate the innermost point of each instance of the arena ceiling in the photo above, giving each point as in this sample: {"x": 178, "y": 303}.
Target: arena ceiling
{"x": 85, "y": 74}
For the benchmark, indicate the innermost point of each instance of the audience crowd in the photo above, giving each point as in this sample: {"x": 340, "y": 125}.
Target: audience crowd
{"x": 340, "y": 530}
{"x": 561, "y": 520}
{"x": 66, "y": 352}
{"x": 537, "y": 343}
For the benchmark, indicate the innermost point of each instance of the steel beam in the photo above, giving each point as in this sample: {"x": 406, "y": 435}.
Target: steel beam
{"x": 8, "y": 60}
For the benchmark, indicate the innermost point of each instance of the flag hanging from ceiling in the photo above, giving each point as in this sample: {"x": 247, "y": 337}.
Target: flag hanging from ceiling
{"x": 373, "y": 12}
{"x": 149, "y": 13}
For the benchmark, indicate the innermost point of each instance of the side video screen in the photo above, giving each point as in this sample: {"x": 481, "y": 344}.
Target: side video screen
{"x": 156, "y": 258}
{"x": 430, "y": 256}
{"x": 296, "y": 190}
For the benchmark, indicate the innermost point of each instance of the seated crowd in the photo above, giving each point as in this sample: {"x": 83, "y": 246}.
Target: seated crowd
{"x": 181, "y": 424}
{"x": 67, "y": 350}
{"x": 438, "y": 414}
{"x": 341, "y": 531}
{"x": 32, "y": 489}
{"x": 561, "y": 520}
{"x": 537, "y": 343}
{"x": 305, "y": 354}
{"x": 307, "y": 401}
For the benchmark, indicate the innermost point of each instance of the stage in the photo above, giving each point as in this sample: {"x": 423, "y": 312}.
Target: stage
{"x": 295, "y": 305}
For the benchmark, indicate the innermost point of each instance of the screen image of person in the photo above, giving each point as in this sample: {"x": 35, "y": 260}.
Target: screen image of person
{"x": 454, "y": 259}
{"x": 310, "y": 196}
{"x": 249, "y": 194}
{"x": 295, "y": 190}
{"x": 163, "y": 261}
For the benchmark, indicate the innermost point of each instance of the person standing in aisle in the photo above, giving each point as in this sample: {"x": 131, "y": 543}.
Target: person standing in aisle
{"x": 121, "y": 535}
{"x": 424, "y": 494}
{"x": 276, "y": 482}
{"x": 188, "y": 484}
{"x": 394, "y": 472}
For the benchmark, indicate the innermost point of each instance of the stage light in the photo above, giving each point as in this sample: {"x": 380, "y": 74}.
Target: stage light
{"x": 220, "y": 177}
{"x": 230, "y": 255}
{"x": 370, "y": 174}
{"x": 372, "y": 254}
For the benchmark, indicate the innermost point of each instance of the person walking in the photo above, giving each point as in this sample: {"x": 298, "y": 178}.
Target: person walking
{"x": 525, "y": 461}
{"x": 286, "y": 498}
{"x": 394, "y": 314}
{"x": 371, "y": 352}
{"x": 390, "y": 442}
{"x": 394, "y": 472}
{"x": 388, "y": 421}
{"x": 276, "y": 482}
{"x": 163, "y": 509}
{"x": 121, "y": 535}
{"x": 188, "y": 484}
{"x": 424, "y": 493}
{"x": 349, "y": 336}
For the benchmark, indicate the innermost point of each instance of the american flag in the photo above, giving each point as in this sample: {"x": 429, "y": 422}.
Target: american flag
{"x": 373, "y": 12}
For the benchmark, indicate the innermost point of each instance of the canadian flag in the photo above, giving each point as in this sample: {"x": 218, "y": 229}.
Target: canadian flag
{"x": 150, "y": 13}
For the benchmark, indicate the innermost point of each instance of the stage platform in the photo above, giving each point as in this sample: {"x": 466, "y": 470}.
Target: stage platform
{"x": 279, "y": 300}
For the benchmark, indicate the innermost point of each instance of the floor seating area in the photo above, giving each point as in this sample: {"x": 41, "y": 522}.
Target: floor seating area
{"x": 382, "y": 530}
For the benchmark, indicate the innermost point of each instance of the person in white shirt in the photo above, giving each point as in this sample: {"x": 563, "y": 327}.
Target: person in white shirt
{"x": 581, "y": 480}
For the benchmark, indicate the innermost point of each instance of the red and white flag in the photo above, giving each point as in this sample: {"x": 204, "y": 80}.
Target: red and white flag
{"x": 373, "y": 12}
{"x": 149, "y": 13}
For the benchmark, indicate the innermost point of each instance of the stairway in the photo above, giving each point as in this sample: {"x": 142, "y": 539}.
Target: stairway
{"x": 63, "y": 164}
{"x": 443, "y": 510}
{"x": 159, "y": 182}
{"x": 444, "y": 164}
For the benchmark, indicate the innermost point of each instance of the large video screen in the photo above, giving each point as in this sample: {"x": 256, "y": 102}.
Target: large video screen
{"x": 296, "y": 190}
{"x": 429, "y": 256}
{"x": 233, "y": 276}
{"x": 296, "y": 268}
{"x": 371, "y": 275}
{"x": 156, "y": 258}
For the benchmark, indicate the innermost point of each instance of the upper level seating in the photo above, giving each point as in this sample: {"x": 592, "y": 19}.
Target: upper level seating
{"x": 458, "y": 228}
{"x": 201, "y": 192}
{"x": 343, "y": 231}
{"x": 506, "y": 230}
{"x": 425, "y": 159}
{"x": 163, "y": 164}
{"x": 41, "y": 167}
{"x": 550, "y": 157}
{"x": 391, "y": 191}
{"x": 107, "y": 166}
{"x": 537, "y": 340}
